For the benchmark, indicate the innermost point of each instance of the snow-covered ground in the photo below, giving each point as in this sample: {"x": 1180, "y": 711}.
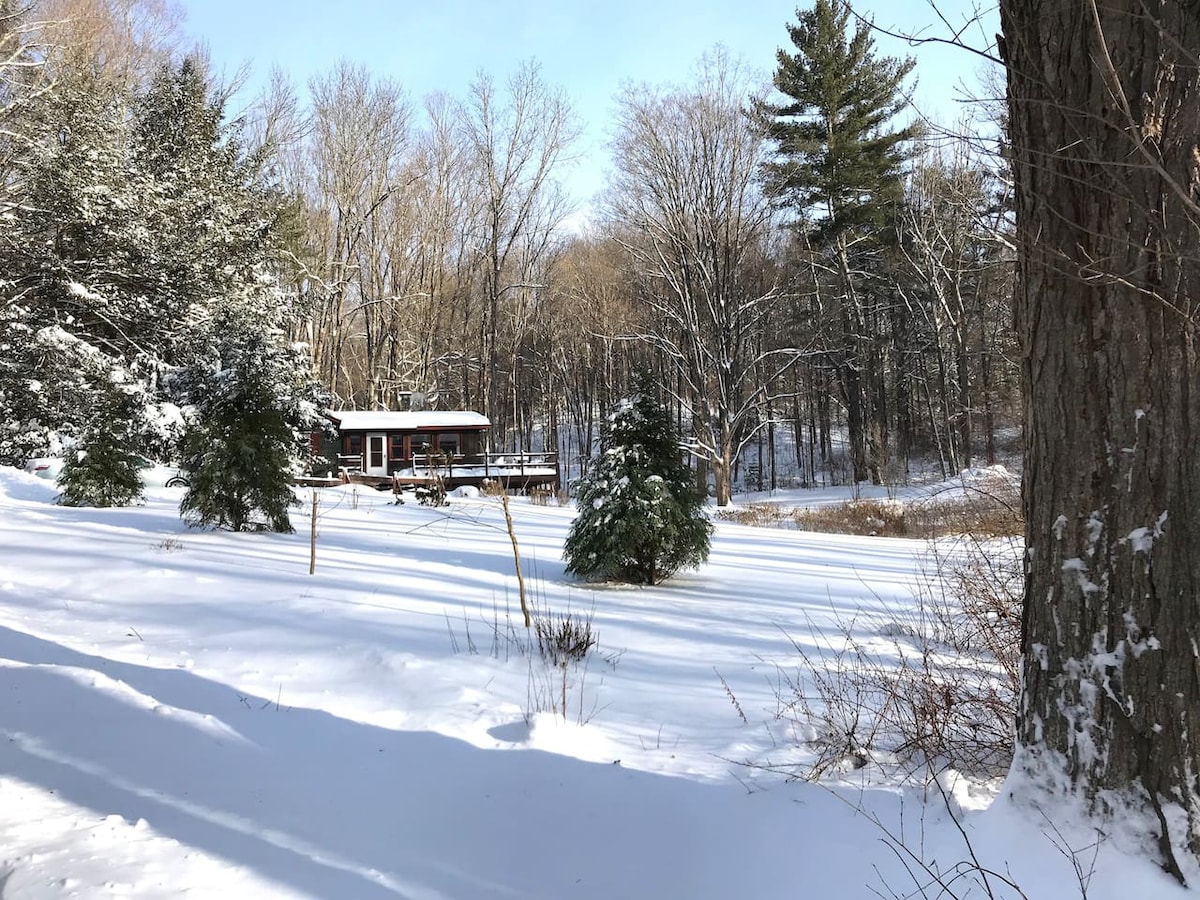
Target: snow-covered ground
{"x": 187, "y": 713}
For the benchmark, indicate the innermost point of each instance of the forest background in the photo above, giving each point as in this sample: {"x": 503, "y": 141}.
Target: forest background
{"x": 839, "y": 315}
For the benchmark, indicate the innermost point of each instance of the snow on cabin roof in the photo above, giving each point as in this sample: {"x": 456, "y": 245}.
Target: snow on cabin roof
{"x": 378, "y": 420}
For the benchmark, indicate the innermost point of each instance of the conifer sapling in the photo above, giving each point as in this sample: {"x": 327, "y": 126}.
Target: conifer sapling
{"x": 640, "y": 517}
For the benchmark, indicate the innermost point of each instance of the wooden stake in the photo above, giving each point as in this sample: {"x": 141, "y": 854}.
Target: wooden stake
{"x": 312, "y": 553}
{"x": 512, "y": 536}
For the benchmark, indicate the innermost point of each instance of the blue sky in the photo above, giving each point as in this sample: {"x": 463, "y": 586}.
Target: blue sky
{"x": 589, "y": 49}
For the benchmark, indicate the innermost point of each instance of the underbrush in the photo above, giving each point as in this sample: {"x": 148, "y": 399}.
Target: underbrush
{"x": 539, "y": 494}
{"x": 883, "y": 518}
{"x": 983, "y": 506}
{"x": 758, "y": 514}
{"x": 559, "y": 648}
{"x": 927, "y": 694}
{"x": 920, "y": 689}
{"x": 547, "y": 495}
{"x": 986, "y": 506}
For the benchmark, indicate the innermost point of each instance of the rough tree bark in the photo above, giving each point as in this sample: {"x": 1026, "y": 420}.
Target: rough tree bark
{"x": 1105, "y": 119}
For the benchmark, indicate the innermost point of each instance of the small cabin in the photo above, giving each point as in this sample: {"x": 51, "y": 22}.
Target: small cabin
{"x": 400, "y": 449}
{"x": 382, "y": 444}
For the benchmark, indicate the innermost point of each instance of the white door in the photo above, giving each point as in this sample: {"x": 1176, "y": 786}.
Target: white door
{"x": 376, "y": 454}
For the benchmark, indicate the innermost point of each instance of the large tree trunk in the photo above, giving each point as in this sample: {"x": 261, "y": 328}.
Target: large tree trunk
{"x": 1104, "y": 134}
{"x": 856, "y": 432}
{"x": 850, "y": 369}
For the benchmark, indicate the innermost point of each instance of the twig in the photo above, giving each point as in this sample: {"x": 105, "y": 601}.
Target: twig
{"x": 732, "y": 698}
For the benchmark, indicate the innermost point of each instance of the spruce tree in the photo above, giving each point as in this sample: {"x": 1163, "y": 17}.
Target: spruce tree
{"x": 251, "y": 403}
{"x": 103, "y": 469}
{"x": 640, "y": 517}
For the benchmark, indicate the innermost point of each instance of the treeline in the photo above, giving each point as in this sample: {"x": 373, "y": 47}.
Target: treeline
{"x": 804, "y": 272}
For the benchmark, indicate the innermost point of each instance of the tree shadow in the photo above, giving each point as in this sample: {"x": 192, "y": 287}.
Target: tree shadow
{"x": 335, "y": 808}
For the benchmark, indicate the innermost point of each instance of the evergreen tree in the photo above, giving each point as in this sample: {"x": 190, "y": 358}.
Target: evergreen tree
{"x": 102, "y": 470}
{"x": 640, "y": 517}
{"x": 251, "y": 405}
{"x": 58, "y": 334}
{"x": 211, "y": 219}
{"x": 139, "y": 218}
{"x": 839, "y": 167}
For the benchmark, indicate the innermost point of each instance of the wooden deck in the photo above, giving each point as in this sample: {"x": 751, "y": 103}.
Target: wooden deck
{"x": 315, "y": 481}
{"x": 516, "y": 471}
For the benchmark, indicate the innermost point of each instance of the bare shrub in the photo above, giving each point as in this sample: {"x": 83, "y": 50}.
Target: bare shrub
{"x": 558, "y": 680}
{"x": 558, "y": 647}
{"x": 563, "y": 638}
{"x": 758, "y": 514}
{"x": 884, "y": 518}
{"x": 837, "y": 696}
{"x": 492, "y": 487}
{"x": 433, "y": 493}
{"x": 922, "y": 689}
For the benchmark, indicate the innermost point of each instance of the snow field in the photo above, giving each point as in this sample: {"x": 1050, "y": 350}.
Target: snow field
{"x": 188, "y": 713}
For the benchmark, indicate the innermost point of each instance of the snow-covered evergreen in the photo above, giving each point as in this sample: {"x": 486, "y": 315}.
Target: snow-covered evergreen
{"x": 640, "y": 518}
{"x": 102, "y": 469}
{"x": 250, "y": 406}
{"x": 142, "y": 223}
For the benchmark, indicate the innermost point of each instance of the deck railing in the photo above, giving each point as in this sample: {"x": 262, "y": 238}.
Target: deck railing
{"x": 494, "y": 465}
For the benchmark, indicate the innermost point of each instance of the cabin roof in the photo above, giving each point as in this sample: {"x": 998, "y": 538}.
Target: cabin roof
{"x": 379, "y": 420}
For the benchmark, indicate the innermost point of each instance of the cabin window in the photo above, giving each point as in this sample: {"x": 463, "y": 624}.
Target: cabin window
{"x": 420, "y": 444}
{"x": 397, "y": 441}
{"x": 354, "y": 445}
{"x": 448, "y": 443}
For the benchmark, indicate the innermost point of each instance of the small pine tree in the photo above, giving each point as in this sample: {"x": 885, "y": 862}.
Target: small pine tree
{"x": 640, "y": 517}
{"x": 241, "y": 439}
{"x": 103, "y": 468}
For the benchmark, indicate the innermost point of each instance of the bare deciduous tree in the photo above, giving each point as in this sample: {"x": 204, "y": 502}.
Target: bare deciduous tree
{"x": 123, "y": 40}
{"x": 359, "y": 134}
{"x": 698, "y": 226}
{"x": 516, "y": 143}
{"x": 950, "y": 240}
